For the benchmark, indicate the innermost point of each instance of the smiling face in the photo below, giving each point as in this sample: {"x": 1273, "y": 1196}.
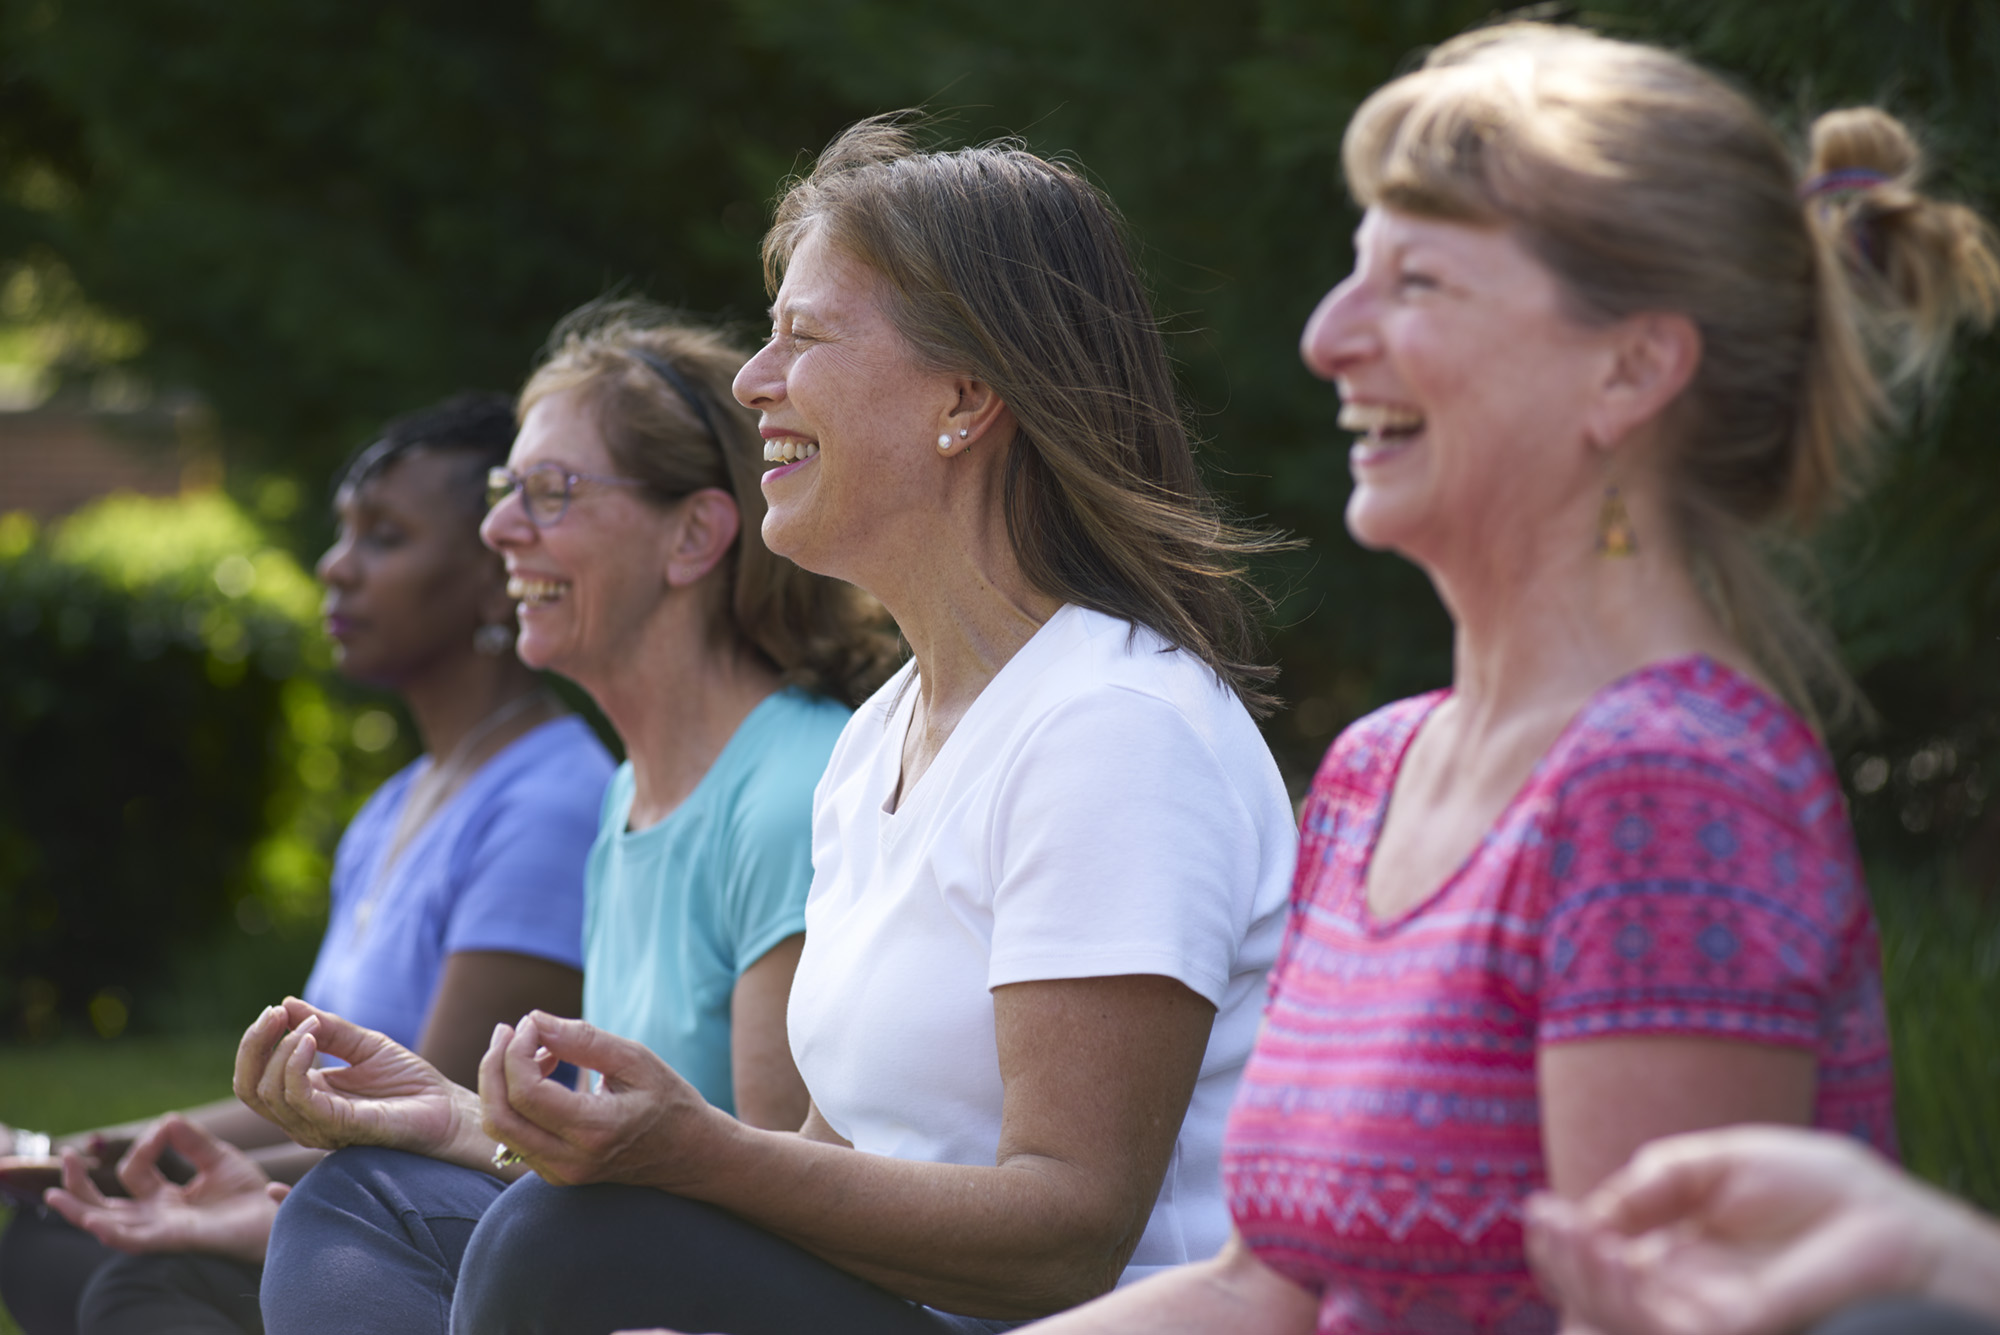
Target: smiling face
{"x": 589, "y": 583}
{"x": 407, "y": 582}
{"x": 849, "y": 419}
{"x": 1469, "y": 380}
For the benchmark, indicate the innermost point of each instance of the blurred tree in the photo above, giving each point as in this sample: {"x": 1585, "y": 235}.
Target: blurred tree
{"x": 325, "y": 211}
{"x": 169, "y": 759}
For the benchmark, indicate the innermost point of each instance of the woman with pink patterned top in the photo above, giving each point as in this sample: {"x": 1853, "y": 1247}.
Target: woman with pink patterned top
{"x": 1600, "y": 331}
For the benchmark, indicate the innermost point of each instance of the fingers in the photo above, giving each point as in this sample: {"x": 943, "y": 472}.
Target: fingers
{"x": 76, "y": 1181}
{"x": 193, "y": 1143}
{"x": 139, "y": 1171}
{"x": 579, "y": 1043}
{"x": 281, "y": 1093}
{"x": 78, "y": 1212}
{"x": 532, "y": 1140}
{"x": 277, "y": 1191}
{"x": 1667, "y": 1182}
{"x": 335, "y": 1035}
{"x": 253, "y": 1056}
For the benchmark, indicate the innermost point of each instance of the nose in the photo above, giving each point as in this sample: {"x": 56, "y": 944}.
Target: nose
{"x": 1339, "y": 333}
{"x": 507, "y": 524}
{"x": 336, "y": 565}
{"x": 760, "y": 384}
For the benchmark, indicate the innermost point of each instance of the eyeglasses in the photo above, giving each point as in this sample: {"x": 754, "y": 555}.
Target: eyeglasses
{"x": 545, "y": 489}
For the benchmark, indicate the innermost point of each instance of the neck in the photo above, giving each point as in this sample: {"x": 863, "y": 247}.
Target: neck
{"x": 676, "y": 699}
{"x": 966, "y": 607}
{"x": 459, "y": 694}
{"x": 1546, "y": 624}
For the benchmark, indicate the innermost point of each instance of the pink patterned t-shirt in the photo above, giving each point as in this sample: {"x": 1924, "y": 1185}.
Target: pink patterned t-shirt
{"x": 1679, "y": 862}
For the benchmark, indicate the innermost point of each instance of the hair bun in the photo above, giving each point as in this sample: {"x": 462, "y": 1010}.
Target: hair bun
{"x": 1866, "y": 139}
{"x": 1920, "y": 266}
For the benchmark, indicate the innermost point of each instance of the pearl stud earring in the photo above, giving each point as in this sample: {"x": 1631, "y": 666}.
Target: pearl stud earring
{"x": 944, "y": 443}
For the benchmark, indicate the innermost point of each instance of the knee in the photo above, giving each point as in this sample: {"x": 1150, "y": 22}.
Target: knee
{"x": 536, "y": 1253}
{"x": 370, "y": 1229}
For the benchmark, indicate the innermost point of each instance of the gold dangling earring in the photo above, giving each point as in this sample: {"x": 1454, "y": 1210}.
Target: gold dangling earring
{"x": 1614, "y": 527}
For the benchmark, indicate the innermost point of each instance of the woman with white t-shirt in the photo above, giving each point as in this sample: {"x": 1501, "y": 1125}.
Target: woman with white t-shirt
{"x": 1050, "y": 857}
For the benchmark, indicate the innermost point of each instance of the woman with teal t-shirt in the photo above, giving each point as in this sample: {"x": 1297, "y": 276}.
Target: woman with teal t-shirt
{"x": 629, "y": 519}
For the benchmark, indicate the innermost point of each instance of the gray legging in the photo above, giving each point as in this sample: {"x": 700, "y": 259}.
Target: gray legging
{"x": 58, "y": 1280}
{"x": 381, "y": 1240}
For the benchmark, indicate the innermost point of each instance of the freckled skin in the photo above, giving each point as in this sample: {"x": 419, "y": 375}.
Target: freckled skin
{"x": 836, "y": 372}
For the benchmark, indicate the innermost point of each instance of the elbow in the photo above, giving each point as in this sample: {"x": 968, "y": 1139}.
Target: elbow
{"x": 1079, "y": 1259}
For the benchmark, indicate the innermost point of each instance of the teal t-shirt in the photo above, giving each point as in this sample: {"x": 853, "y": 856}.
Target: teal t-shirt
{"x": 675, "y": 913}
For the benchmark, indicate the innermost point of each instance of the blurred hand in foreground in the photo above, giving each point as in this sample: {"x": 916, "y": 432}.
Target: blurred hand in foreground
{"x": 225, "y": 1209}
{"x": 1755, "y": 1231}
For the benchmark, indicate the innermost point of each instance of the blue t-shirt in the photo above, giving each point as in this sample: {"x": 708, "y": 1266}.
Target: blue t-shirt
{"x": 498, "y": 867}
{"x": 679, "y": 910}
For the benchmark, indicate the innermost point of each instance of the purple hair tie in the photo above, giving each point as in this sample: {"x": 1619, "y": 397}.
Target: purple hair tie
{"x": 1847, "y": 178}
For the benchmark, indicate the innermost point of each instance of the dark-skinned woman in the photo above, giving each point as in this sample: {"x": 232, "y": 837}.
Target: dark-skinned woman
{"x": 456, "y": 902}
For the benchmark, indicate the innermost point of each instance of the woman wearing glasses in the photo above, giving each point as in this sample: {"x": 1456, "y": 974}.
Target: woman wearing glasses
{"x": 1049, "y": 858}
{"x": 457, "y": 895}
{"x": 629, "y": 522}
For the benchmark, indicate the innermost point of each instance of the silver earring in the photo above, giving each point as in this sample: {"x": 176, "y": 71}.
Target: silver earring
{"x": 963, "y": 433}
{"x": 493, "y": 639}
{"x": 944, "y": 443}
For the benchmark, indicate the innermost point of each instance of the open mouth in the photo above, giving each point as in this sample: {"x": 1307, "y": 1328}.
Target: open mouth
{"x": 1384, "y": 429}
{"x": 789, "y": 450}
{"x": 531, "y": 593}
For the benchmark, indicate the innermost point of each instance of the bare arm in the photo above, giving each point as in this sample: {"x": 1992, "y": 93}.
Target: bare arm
{"x": 769, "y": 1092}
{"x": 481, "y": 988}
{"x": 1604, "y": 1098}
{"x": 1098, "y": 1073}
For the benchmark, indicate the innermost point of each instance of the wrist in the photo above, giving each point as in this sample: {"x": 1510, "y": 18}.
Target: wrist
{"x": 709, "y": 1155}
{"x": 467, "y": 1144}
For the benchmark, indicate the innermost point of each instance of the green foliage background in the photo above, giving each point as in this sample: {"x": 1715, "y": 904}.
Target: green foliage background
{"x": 173, "y": 768}
{"x": 320, "y": 213}
{"x": 325, "y": 212}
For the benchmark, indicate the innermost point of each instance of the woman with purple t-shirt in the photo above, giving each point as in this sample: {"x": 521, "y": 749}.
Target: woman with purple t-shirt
{"x": 457, "y": 894}
{"x": 1601, "y": 330}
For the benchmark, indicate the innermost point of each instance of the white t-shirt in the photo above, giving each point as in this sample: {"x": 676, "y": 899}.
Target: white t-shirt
{"x": 1105, "y": 807}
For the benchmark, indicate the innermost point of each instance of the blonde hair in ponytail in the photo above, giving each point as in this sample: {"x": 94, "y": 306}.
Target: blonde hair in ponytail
{"x": 1646, "y": 183}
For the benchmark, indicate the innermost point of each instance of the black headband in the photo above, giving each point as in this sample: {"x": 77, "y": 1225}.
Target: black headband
{"x": 665, "y": 370}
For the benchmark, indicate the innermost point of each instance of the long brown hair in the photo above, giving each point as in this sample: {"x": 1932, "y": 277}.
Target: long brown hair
{"x": 818, "y": 633}
{"x": 1014, "y": 270}
{"x": 1646, "y": 183}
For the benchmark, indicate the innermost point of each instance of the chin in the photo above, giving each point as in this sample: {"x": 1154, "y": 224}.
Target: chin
{"x": 1372, "y": 522}
{"x": 540, "y": 656}
{"x": 790, "y": 541}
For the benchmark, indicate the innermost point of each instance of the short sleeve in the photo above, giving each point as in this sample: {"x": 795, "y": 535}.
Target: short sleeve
{"x": 1685, "y": 898}
{"x": 520, "y": 867}
{"x": 769, "y": 868}
{"x": 1121, "y": 845}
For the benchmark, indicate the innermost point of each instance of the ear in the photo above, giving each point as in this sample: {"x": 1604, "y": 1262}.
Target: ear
{"x": 707, "y": 525}
{"x": 1653, "y": 357}
{"x": 980, "y": 414}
